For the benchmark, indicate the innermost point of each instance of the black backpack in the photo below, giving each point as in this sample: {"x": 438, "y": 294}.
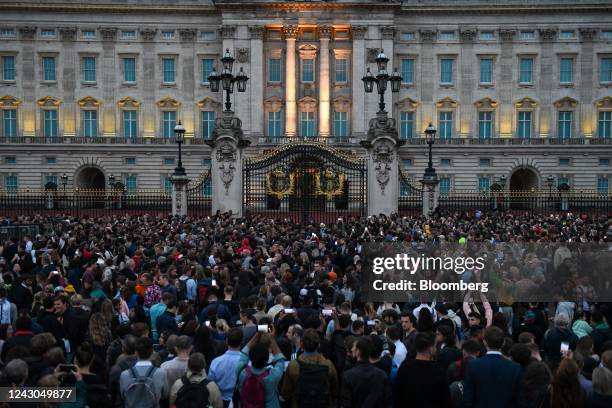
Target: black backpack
{"x": 192, "y": 395}
{"x": 312, "y": 385}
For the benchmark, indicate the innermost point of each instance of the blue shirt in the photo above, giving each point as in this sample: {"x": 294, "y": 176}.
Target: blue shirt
{"x": 270, "y": 381}
{"x": 156, "y": 310}
{"x": 223, "y": 372}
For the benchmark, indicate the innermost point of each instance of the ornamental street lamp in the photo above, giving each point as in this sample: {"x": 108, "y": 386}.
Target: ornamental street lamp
{"x": 381, "y": 79}
{"x": 227, "y": 79}
{"x": 430, "y": 138}
{"x": 64, "y": 179}
{"x": 502, "y": 181}
{"x": 550, "y": 180}
{"x": 179, "y": 131}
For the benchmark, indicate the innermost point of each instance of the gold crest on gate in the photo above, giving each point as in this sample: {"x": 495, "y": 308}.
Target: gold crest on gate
{"x": 329, "y": 183}
{"x": 279, "y": 183}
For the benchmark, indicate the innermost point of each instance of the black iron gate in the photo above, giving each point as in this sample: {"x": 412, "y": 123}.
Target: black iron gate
{"x": 305, "y": 181}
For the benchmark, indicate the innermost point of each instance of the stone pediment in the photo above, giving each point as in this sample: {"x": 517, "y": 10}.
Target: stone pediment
{"x": 9, "y": 101}
{"x": 128, "y": 102}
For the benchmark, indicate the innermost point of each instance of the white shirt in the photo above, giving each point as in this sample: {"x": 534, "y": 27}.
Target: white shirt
{"x": 400, "y": 352}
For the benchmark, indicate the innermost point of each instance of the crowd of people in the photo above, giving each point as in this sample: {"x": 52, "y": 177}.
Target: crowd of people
{"x": 254, "y": 312}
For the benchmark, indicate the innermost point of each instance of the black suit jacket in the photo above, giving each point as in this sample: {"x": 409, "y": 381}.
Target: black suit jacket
{"x": 493, "y": 381}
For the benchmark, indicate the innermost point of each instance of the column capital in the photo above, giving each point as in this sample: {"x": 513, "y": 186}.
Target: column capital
{"x": 148, "y": 34}
{"x": 27, "y": 32}
{"x": 359, "y": 32}
{"x": 547, "y": 34}
{"x": 388, "y": 32}
{"x": 256, "y": 32}
{"x": 587, "y": 33}
{"x": 507, "y": 35}
{"x": 290, "y": 31}
{"x": 467, "y": 34}
{"x": 427, "y": 35}
{"x": 325, "y": 32}
{"x": 227, "y": 31}
{"x": 108, "y": 33}
{"x": 67, "y": 33}
{"x": 188, "y": 34}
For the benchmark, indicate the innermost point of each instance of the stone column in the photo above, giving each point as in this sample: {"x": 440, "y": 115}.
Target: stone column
{"x": 587, "y": 83}
{"x": 69, "y": 79}
{"x": 188, "y": 81}
{"x": 431, "y": 193}
{"x": 256, "y": 81}
{"x": 545, "y": 84}
{"x": 506, "y": 108}
{"x": 226, "y": 169}
{"x": 179, "y": 194}
{"x": 108, "y": 63}
{"x": 382, "y": 144}
{"x": 428, "y": 80}
{"x": 324, "y": 82}
{"x": 149, "y": 84}
{"x": 290, "y": 32}
{"x": 466, "y": 86}
{"x": 28, "y": 83}
{"x": 359, "y": 67}
{"x": 388, "y": 33}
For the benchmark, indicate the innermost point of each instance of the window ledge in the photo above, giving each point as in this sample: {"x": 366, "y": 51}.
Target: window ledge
{"x": 89, "y": 84}
{"x": 8, "y": 82}
{"x": 525, "y": 85}
{"x": 605, "y": 84}
{"x": 447, "y": 86}
{"x": 168, "y": 85}
{"x": 408, "y": 85}
{"x": 129, "y": 84}
{"x": 486, "y": 86}
{"x": 566, "y": 84}
{"x": 48, "y": 83}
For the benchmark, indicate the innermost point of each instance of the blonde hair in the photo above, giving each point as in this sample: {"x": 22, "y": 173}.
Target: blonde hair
{"x": 602, "y": 381}
{"x": 99, "y": 330}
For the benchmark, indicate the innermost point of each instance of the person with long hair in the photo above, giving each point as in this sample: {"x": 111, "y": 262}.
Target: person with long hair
{"x": 565, "y": 389}
{"x": 536, "y": 379}
{"x": 446, "y": 350}
{"x": 425, "y": 321}
{"x": 100, "y": 335}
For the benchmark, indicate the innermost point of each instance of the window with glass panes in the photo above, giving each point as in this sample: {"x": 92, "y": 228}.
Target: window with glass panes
{"x": 307, "y": 124}
{"x": 526, "y": 70}
{"x": 445, "y": 125}
{"x": 207, "y": 68}
{"x": 445, "y": 185}
{"x": 48, "y": 69}
{"x": 406, "y": 124}
{"x": 564, "y": 161}
{"x": 168, "y": 123}
{"x": 274, "y": 70}
{"x": 603, "y": 127}
{"x": 90, "y": 123}
{"x": 9, "y": 122}
{"x": 562, "y": 180}
{"x": 564, "y": 124}
{"x": 10, "y": 160}
{"x": 208, "y": 124}
{"x": 341, "y": 70}
{"x": 50, "y": 125}
{"x": 566, "y": 70}
{"x": 10, "y": 183}
{"x": 605, "y": 74}
{"x": 167, "y": 184}
{"x": 274, "y": 124}
{"x": 50, "y": 178}
{"x": 523, "y": 127}
{"x": 8, "y": 68}
{"x": 340, "y": 124}
{"x": 130, "y": 125}
{"x": 129, "y": 69}
{"x": 130, "y": 183}
{"x": 169, "y": 72}
{"x": 89, "y": 69}
{"x": 602, "y": 185}
{"x": 486, "y": 70}
{"x": 485, "y": 125}
{"x": 446, "y": 71}
{"x": 407, "y": 65}
{"x": 484, "y": 184}
{"x": 307, "y": 70}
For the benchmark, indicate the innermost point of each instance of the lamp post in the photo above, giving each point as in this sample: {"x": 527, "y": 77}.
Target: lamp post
{"x": 111, "y": 181}
{"x": 227, "y": 79}
{"x": 179, "y": 132}
{"x": 430, "y": 138}
{"x": 502, "y": 181}
{"x": 64, "y": 179}
{"x": 381, "y": 79}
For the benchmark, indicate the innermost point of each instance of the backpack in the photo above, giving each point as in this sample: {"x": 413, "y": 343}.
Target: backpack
{"x": 253, "y": 393}
{"x": 141, "y": 392}
{"x": 192, "y": 395}
{"x": 201, "y": 292}
{"x": 312, "y": 385}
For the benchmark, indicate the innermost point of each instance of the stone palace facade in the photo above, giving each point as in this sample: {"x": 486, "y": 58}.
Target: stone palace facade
{"x": 520, "y": 91}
